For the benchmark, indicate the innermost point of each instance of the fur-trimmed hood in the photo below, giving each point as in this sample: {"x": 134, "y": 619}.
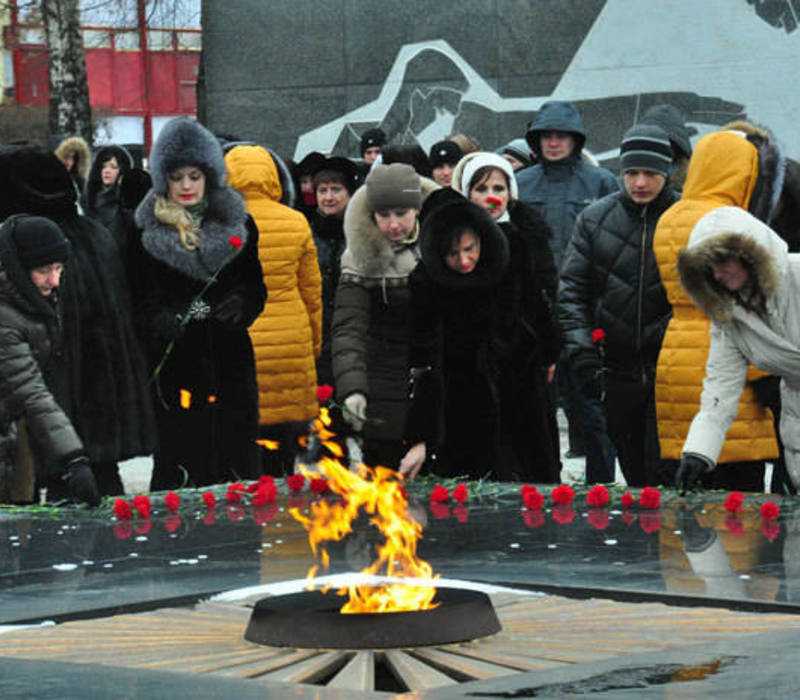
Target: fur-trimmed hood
{"x": 225, "y": 217}
{"x": 456, "y": 212}
{"x": 181, "y": 142}
{"x": 95, "y": 181}
{"x": 368, "y": 252}
{"x": 730, "y": 232}
{"x": 83, "y": 155}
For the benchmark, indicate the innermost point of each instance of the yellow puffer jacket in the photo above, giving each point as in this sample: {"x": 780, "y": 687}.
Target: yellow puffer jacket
{"x": 722, "y": 172}
{"x": 288, "y": 334}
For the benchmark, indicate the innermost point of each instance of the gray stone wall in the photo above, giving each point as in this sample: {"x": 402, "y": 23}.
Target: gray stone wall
{"x": 307, "y": 75}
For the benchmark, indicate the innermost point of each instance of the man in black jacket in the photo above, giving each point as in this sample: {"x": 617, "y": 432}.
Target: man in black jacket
{"x": 613, "y": 307}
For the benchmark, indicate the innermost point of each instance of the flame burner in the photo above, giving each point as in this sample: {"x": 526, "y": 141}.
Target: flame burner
{"x": 311, "y": 620}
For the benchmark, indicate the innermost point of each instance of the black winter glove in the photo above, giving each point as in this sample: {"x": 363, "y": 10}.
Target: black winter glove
{"x": 592, "y": 382}
{"x": 696, "y": 538}
{"x": 230, "y": 309}
{"x": 689, "y": 471}
{"x": 81, "y": 482}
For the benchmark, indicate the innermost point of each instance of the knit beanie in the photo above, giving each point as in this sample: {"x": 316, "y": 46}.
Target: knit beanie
{"x": 39, "y": 241}
{"x": 394, "y": 186}
{"x": 371, "y": 138}
{"x": 519, "y": 149}
{"x": 646, "y": 147}
{"x": 445, "y": 152}
{"x": 483, "y": 159}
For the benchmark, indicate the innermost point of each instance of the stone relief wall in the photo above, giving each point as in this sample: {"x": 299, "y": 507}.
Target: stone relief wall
{"x": 306, "y": 76}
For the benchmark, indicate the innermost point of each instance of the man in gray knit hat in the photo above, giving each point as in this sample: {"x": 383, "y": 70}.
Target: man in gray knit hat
{"x": 610, "y": 283}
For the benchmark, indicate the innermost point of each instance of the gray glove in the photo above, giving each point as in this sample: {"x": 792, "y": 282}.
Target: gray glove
{"x": 355, "y": 410}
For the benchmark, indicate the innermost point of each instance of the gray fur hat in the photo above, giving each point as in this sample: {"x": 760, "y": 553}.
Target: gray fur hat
{"x": 183, "y": 141}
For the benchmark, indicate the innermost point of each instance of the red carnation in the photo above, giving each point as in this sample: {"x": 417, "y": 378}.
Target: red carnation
{"x": 324, "y": 392}
{"x": 295, "y": 482}
{"x": 234, "y": 493}
{"x": 460, "y": 493}
{"x": 770, "y": 510}
{"x": 172, "y": 501}
{"x": 494, "y": 202}
{"x": 533, "y": 518}
{"x": 533, "y": 499}
{"x": 628, "y": 517}
{"x": 770, "y": 529}
{"x": 563, "y": 514}
{"x": 650, "y": 522}
{"x": 439, "y": 494}
{"x": 598, "y": 496}
{"x": 461, "y": 513}
{"x": 210, "y": 500}
{"x": 142, "y": 505}
{"x": 598, "y": 335}
{"x": 173, "y": 522}
{"x": 562, "y": 495}
{"x": 734, "y": 501}
{"x": 735, "y": 525}
{"x": 318, "y": 486}
{"x": 252, "y": 487}
{"x": 598, "y": 518}
{"x": 650, "y": 498}
{"x": 266, "y": 493}
{"x": 122, "y": 509}
{"x": 440, "y": 511}
{"x": 628, "y": 501}
{"x": 236, "y": 241}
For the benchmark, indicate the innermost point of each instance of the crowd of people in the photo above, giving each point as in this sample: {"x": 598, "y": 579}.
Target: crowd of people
{"x": 453, "y": 299}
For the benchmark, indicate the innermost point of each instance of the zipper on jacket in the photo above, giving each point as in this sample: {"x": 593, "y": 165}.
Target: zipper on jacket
{"x": 640, "y": 290}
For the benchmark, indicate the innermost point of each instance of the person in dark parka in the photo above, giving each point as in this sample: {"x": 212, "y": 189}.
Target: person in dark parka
{"x": 99, "y": 378}
{"x": 482, "y": 334}
{"x": 193, "y": 227}
{"x": 33, "y": 252}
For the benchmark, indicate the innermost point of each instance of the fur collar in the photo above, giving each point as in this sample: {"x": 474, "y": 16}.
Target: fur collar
{"x": 726, "y": 232}
{"x": 368, "y": 252}
{"x": 225, "y": 217}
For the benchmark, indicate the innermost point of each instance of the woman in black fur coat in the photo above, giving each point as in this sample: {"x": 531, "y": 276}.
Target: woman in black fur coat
{"x": 98, "y": 376}
{"x": 482, "y": 339}
{"x": 194, "y": 227}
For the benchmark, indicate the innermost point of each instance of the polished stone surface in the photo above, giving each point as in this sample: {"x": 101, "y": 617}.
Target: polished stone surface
{"x": 78, "y": 563}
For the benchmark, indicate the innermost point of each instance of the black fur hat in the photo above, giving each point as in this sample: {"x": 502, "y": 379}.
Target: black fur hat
{"x": 183, "y": 142}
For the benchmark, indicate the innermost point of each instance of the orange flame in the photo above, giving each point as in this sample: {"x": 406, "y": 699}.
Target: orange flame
{"x": 185, "y": 398}
{"x": 378, "y": 492}
{"x": 269, "y": 444}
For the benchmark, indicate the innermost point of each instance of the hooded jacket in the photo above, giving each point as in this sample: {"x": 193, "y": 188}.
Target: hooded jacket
{"x": 99, "y": 379}
{"x": 562, "y": 189}
{"x": 371, "y": 318}
{"x": 30, "y": 326}
{"x": 83, "y": 157}
{"x": 726, "y": 169}
{"x": 769, "y": 339}
{"x": 287, "y": 335}
{"x": 610, "y": 280}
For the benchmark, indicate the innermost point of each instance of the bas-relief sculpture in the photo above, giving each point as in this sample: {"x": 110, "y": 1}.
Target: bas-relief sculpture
{"x": 713, "y": 65}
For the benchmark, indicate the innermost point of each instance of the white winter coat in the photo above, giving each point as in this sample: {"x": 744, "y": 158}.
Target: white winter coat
{"x": 740, "y": 336}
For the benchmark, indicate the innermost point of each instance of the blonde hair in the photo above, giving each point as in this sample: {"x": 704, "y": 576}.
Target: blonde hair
{"x": 168, "y": 212}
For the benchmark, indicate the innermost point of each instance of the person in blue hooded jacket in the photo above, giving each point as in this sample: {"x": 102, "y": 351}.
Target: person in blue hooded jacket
{"x": 560, "y": 186}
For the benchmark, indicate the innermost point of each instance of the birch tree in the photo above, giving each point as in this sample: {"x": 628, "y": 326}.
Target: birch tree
{"x": 70, "y": 113}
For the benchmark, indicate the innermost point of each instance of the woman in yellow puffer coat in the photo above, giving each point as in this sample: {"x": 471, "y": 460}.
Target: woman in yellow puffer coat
{"x": 287, "y": 336}
{"x": 736, "y": 167}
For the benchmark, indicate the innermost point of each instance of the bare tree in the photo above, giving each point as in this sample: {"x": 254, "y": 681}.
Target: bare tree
{"x": 70, "y": 112}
